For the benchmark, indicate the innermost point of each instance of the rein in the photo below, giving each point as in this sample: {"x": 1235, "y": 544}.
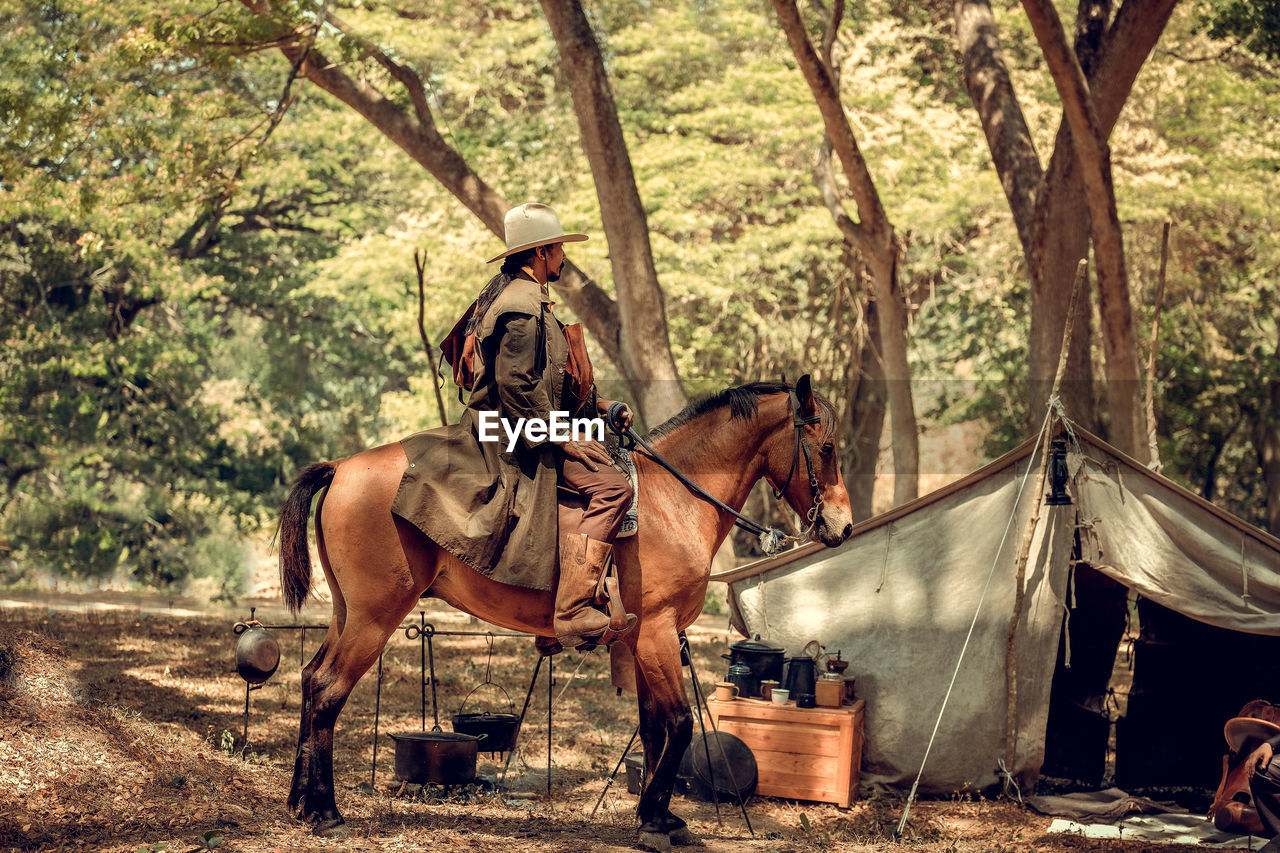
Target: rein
{"x": 771, "y": 539}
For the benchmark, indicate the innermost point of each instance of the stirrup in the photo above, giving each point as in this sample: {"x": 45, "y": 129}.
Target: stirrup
{"x": 547, "y": 646}
{"x": 609, "y": 599}
{"x": 607, "y": 637}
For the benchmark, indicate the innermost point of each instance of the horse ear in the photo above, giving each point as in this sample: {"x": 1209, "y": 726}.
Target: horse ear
{"x": 804, "y": 394}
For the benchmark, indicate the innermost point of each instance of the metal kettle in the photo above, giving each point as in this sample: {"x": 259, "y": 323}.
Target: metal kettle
{"x": 802, "y": 674}
{"x": 742, "y": 677}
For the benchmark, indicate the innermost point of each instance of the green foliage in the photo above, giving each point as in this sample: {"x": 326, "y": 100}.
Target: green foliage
{"x": 1255, "y": 23}
{"x": 164, "y": 355}
{"x": 210, "y": 840}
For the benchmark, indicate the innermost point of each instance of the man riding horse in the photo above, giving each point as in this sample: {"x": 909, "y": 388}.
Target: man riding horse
{"x": 492, "y": 503}
{"x": 489, "y": 512}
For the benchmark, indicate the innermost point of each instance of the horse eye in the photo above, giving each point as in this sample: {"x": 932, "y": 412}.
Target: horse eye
{"x": 828, "y": 447}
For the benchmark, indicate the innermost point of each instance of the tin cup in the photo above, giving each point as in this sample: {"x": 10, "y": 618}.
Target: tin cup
{"x": 726, "y": 692}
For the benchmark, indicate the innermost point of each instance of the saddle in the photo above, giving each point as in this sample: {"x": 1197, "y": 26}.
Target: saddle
{"x": 1233, "y": 808}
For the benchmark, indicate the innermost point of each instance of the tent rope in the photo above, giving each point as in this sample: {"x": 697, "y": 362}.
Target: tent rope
{"x": 1067, "y": 606}
{"x": 1009, "y": 780}
{"x": 1017, "y": 501}
{"x": 884, "y": 565}
{"x": 1244, "y": 572}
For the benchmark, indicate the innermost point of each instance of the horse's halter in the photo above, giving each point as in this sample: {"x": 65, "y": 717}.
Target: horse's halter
{"x": 800, "y": 422}
{"x": 771, "y": 540}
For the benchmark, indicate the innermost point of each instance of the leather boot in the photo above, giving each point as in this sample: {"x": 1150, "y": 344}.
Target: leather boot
{"x": 583, "y": 574}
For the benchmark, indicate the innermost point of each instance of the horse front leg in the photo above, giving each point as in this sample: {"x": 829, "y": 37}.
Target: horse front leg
{"x": 666, "y": 729}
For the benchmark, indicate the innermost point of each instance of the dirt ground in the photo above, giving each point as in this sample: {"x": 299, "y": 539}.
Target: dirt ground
{"x": 123, "y": 730}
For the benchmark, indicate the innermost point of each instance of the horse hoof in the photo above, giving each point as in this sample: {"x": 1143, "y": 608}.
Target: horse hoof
{"x": 659, "y": 841}
{"x": 334, "y": 827}
{"x": 682, "y": 837}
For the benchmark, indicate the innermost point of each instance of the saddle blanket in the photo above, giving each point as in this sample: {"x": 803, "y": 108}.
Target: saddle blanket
{"x": 622, "y": 461}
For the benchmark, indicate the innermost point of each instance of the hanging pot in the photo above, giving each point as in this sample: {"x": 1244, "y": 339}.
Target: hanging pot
{"x": 764, "y": 660}
{"x": 499, "y": 730}
{"x": 257, "y": 652}
{"x": 442, "y": 758}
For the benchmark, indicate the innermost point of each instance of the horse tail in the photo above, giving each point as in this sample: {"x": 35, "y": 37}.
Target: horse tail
{"x": 295, "y": 558}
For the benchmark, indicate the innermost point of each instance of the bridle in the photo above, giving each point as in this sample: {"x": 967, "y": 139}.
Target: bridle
{"x": 771, "y": 539}
{"x": 800, "y": 422}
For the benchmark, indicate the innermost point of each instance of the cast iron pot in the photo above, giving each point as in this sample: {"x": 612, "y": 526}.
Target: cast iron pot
{"x": 257, "y": 652}
{"x": 498, "y": 730}
{"x": 443, "y": 758}
{"x": 765, "y": 660}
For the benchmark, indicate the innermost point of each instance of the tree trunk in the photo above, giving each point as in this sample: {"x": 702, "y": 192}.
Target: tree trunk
{"x": 873, "y": 237}
{"x": 1267, "y": 441}
{"x": 865, "y": 404}
{"x": 1057, "y": 207}
{"x": 1052, "y": 265}
{"x": 645, "y": 347}
{"x": 892, "y": 312}
{"x": 1128, "y": 431}
{"x": 1008, "y": 138}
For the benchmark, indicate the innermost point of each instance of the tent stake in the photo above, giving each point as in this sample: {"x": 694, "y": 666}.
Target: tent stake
{"x": 1151, "y": 357}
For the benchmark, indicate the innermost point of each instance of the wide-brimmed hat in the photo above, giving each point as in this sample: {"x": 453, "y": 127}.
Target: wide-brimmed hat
{"x": 531, "y": 225}
{"x": 1240, "y": 730}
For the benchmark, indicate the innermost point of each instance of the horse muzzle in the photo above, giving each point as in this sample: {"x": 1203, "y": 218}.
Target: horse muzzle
{"x": 834, "y": 532}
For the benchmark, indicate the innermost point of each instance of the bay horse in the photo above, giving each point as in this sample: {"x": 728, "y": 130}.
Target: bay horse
{"x": 378, "y": 566}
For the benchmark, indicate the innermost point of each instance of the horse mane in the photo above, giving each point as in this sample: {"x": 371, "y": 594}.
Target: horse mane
{"x": 743, "y": 402}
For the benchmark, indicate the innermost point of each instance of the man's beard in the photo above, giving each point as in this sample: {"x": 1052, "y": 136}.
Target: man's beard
{"x": 554, "y": 276}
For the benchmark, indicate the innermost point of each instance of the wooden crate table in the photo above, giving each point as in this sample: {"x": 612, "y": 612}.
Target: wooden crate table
{"x": 801, "y": 753}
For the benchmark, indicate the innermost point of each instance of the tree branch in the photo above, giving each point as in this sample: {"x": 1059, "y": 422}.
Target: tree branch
{"x": 827, "y": 96}
{"x": 824, "y": 175}
{"x": 986, "y": 77}
{"x": 417, "y": 136}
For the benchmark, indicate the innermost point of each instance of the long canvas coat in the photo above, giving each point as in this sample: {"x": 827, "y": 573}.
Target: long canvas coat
{"x": 494, "y": 510}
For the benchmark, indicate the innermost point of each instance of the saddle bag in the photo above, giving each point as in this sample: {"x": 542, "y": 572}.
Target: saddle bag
{"x": 581, "y": 376}
{"x": 458, "y": 349}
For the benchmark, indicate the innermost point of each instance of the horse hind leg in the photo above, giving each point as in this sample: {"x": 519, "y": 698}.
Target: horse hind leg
{"x": 357, "y": 647}
{"x": 302, "y": 761}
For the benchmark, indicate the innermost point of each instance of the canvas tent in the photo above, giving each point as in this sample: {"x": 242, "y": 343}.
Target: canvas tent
{"x": 898, "y": 598}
